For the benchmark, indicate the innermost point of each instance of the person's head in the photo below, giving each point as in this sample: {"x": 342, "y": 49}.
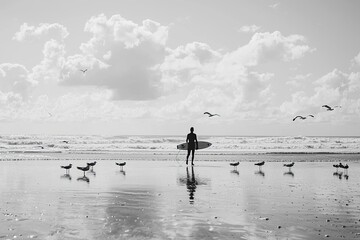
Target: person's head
{"x": 191, "y": 129}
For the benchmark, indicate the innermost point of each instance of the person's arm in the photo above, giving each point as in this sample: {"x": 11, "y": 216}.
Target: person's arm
{"x": 187, "y": 138}
{"x": 197, "y": 144}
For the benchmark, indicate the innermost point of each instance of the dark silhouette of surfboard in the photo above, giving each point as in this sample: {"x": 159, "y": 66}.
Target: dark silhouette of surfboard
{"x": 201, "y": 145}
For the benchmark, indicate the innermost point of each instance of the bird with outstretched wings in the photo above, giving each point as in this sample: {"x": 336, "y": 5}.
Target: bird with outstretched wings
{"x": 302, "y": 117}
{"x": 328, "y": 108}
{"x": 211, "y": 115}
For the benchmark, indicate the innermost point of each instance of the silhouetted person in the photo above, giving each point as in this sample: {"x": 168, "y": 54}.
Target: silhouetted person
{"x": 191, "y": 184}
{"x": 192, "y": 145}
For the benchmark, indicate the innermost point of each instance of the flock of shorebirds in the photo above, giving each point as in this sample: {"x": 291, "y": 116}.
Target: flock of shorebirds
{"x": 290, "y": 165}
{"x": 89, "y": 166}
{"x": 328, "y": 108}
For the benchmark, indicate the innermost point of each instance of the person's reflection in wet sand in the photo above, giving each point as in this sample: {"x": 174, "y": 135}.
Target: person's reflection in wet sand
{"x": 191, "y": 184}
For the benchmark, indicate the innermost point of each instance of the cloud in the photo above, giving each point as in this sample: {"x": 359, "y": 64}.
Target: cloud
{"x": 249, "y": 28}
{"x": 299, "y": 80}
{"x": 334, "y": 88}
{"x": 189, "y": 64}
{"x": 275, "y": 5}
{"x": 264, "y": 47}
{"x": 121, "y": 56}
{"x": 356, "y": 60}
{"x": 245, "y": 93}
{"x": 130, "y": 61}
{"x": 54, "y": 30}
{"x": 14, "y": 79}
{"x": 49, "y": 67}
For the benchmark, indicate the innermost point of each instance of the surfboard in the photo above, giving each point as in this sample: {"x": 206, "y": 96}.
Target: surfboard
{"x": 201, "y": 145}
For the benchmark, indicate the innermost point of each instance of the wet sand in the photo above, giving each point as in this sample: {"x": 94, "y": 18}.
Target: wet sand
{"x": 167, "y": 200}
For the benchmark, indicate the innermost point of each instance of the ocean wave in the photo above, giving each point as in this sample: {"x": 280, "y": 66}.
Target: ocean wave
{"x": 94, "y": 143}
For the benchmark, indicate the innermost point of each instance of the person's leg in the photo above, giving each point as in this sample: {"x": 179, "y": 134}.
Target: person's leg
{"x": 192, "y": 156}
{"x": 187, "y": 157}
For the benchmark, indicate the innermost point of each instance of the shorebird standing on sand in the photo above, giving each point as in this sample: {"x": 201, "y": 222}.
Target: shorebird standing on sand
{"x": 336, "y": 166}
{"x": 289, "y": 165}
{"x": 67, "y": 168}
{"x": 121, "y": 165}
{"x": 92, "y": 164}
{"x": 234, "y": 164}
{"x": 211, "y": 115}
{"x": 84, "y": 169}
{"x": 260, "y": 164}
{"x": 345, "y": 167}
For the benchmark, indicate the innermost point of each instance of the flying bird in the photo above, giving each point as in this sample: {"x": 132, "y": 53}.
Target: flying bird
{"x": 328, "y": 108}
{"x": 83, "y": 70}
{"x": 302, "y": 117}
{"x": 211, "y": 115}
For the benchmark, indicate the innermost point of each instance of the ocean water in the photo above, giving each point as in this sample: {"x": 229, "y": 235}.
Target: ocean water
{"x": 220, "y": 144}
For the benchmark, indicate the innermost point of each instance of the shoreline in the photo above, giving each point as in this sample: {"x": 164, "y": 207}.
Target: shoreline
{"x": 179, "y": 156}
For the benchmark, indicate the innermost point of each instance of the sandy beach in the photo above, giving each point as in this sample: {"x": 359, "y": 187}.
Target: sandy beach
{"x": 165, "y": 199}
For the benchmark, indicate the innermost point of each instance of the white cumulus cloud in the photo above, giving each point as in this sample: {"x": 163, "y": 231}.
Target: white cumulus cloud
{"x": 249, "y": 28}
{"x": 14, "y": 79}
{"x": 121, "y": 56}
{"x": 267, "y": 46}
{"x": 54, "y": 30}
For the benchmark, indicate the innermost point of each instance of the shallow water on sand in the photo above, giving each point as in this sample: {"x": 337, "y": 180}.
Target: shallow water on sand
{"x": 167, "y": 200}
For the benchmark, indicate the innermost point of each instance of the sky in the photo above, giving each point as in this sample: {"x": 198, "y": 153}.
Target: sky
{"x": 154, "y": 67}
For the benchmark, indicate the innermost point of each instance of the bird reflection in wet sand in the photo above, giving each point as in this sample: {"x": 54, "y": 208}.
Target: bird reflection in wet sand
{"x": 289, "y": 173}
{"x": 260, "y": 172}
{"x": 191, "y": 184}
{"x": 84, "y": 178}
{"x": 91, "y": 171}
{"x": 66, "y": 176}
{"x": 235, "y": 172}
{"x": 340, "y": 175}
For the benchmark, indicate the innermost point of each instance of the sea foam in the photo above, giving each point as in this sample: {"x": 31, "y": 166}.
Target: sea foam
{"x": 234, "y": 144}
